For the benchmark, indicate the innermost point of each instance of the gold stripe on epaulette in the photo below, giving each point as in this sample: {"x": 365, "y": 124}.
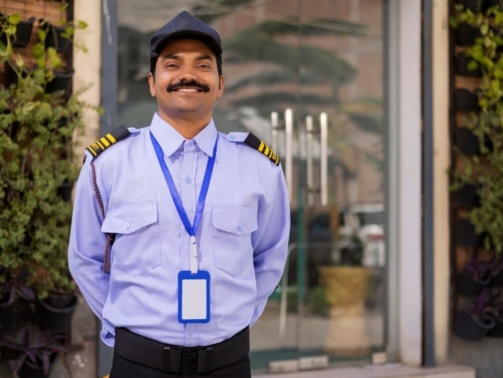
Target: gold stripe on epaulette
{"x": 261, "y": 147}
{"x": 111, "y": 138}
{"x": 105, "y": 142}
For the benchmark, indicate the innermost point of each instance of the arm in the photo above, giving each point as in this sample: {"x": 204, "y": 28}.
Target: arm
{"x": 272, "y": 249}
{"x": 87, "y": 243}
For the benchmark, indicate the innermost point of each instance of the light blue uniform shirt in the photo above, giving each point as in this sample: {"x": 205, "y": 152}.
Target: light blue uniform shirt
{"x": 242, "y": 239}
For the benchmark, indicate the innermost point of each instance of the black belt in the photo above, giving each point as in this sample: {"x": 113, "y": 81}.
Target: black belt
{"x": 174, "y": 359}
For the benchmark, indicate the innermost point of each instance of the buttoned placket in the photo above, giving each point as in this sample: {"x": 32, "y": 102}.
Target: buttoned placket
{"x": 189, "y": 194}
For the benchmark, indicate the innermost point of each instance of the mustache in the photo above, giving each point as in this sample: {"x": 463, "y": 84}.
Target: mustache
{"x": 185, "y": 83}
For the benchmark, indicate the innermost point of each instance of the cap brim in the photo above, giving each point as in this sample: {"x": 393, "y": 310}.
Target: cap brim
{"x": 205, "y": 38}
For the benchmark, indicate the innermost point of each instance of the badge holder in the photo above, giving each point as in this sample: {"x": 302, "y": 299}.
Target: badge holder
{"x": 193, "y": 297}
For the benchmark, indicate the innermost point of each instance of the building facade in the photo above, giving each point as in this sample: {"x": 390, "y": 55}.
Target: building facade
{"x": 368, "y": 277}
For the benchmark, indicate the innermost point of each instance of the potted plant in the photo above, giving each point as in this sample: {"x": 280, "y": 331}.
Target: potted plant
{"x": 55, "y": 308}
{"x": 473, "y": 324}
{"x": 57, "y": 37}
{"x": 485, "y": 170}
{"x": 22, "y": 33}
{"x": 467, "y": 195}
{"x": 474, "y": 277}
{"x": 36, "y": 355}
{"x": 467, "y": 143}
{"x": 35, "y": 219}
{"x": 466, "y": 100}
{"x": 462, "y": 66}
{"x": 12, "y": 287}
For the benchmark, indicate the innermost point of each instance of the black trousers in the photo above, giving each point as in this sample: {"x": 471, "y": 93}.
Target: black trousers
{"x": 123, "y": 368}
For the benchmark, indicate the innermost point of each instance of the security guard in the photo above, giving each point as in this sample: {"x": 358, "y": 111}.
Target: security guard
{"x": 179, "y": 232}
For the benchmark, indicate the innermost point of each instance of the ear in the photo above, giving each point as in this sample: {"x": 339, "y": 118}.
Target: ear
{"x": 151, "y": 84}
{"x": 221, "y": 86}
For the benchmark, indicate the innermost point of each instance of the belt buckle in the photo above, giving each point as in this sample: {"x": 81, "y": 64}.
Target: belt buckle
{"x": 191, "y": 360}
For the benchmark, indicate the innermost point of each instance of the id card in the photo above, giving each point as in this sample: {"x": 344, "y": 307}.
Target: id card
{"x": 193, "y": 297}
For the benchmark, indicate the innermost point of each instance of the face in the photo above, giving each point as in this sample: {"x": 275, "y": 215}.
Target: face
{"x": 186, "y": 82}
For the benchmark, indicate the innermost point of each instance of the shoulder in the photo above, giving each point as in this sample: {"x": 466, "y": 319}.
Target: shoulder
{"x": 111, "y": 143}
{"x": 255, "y": 147}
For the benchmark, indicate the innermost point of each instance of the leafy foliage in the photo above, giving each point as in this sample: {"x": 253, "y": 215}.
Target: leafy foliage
{"x": 36, "y": 157}
{"x": 486, "y": 170}
{"x": 38, "y": 351}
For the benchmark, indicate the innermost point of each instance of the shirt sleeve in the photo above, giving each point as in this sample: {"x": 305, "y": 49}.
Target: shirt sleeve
{"x": 87, "y": 244}
{"x": 271, "y": 250}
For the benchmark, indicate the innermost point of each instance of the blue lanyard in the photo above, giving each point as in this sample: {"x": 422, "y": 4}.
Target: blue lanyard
{"x": 191, "y": 229}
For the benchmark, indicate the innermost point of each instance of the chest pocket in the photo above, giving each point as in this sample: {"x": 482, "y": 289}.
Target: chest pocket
{"x": 232, "y": 243}
{"x": 137, "y": 246}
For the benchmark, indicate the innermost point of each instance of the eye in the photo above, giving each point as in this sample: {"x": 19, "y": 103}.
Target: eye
{"x": 171, "y": 65}
{"x": 205, "y": 66}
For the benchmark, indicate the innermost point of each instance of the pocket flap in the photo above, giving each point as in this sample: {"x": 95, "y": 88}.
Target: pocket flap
{"x": 236, "y": 220}
{"x": 130, "y": 218}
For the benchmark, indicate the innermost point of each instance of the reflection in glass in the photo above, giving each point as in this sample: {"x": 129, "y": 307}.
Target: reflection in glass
{"x": 313, "y": 57}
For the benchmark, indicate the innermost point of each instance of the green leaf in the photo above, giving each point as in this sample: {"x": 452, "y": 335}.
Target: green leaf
{"x": 68, "y": 33}
{"x": 38, "y": 50}
{"x": 484, "y": 29}
{"x": 82, "y": 25}
{"x": 453, "y": 22}
{"x": 9, "y": 30}
{"x": 472, "y": 65}
{"x": 53, "y": 57}
{"x": 459, "y": 7}
{"x": 42, "y": 34}
{"x": 15, "y": 18}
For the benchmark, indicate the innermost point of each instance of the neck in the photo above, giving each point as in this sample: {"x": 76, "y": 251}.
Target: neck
{"x": 186, "y": 127}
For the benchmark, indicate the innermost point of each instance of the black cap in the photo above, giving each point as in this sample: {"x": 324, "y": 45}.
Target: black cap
{"x": 184, "y": 25}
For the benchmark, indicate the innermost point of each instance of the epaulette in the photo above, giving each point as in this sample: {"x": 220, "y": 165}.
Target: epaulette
{"x": 255, "y": 143}
{"x": 111, "y": 138}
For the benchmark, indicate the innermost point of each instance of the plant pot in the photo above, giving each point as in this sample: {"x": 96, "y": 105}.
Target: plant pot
{"x": 30, "y": 370}
{"x": 472, "y": 327}
{"x": 65, "y": 192}
{"x": 54, "y": 38}
{"x": 468, "y": 286}
{"x": 465, "y": 35}
{"x": 62, "y": 82}
{"x": 497, "y": 281}
{"x": 468, "y": 143}
{"x": 7, "y": 300}
{"x": 54, "y": 318}
{"x": 461, "y": 66}
{"x": 345, "y": 286}
{"x": 497, "y": 330}
{"x": 466, "y": 101}
{"x": 465, "y": 234}
{"x": 467, "y": 196}
{"x": 23, "y": 34}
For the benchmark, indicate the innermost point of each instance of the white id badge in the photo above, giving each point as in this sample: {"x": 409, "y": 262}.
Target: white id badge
{"x": 193, "y": 297}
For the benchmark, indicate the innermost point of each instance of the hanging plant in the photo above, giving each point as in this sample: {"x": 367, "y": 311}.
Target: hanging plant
{"x": 485, "y": 170}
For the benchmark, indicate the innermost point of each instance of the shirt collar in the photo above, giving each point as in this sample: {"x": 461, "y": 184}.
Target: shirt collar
{"x": 170, "y": 139}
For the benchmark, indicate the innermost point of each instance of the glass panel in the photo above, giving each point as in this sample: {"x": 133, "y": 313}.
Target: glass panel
{"x": 341, "y": 74}
{"x": 313, "y": 57}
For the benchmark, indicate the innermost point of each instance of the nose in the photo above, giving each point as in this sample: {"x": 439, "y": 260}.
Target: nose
{"x": 187, "y": 73}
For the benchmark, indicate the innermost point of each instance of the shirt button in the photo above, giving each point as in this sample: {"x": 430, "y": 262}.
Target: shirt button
{"x": 232, "y": 137}
{"x": 188, "y": 180}
{"x": 240, "y": 228}
{"x": 126, "y": 225}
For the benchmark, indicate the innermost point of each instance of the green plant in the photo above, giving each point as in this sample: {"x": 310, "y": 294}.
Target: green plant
{"x": 37, "y": 139}
{"x": 487, "y": 169}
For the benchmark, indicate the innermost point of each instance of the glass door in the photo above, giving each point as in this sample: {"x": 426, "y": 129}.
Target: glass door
{"x": 306, "y": 77}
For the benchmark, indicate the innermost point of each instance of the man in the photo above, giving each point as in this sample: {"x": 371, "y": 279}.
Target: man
{"x": 179, "y": 233}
